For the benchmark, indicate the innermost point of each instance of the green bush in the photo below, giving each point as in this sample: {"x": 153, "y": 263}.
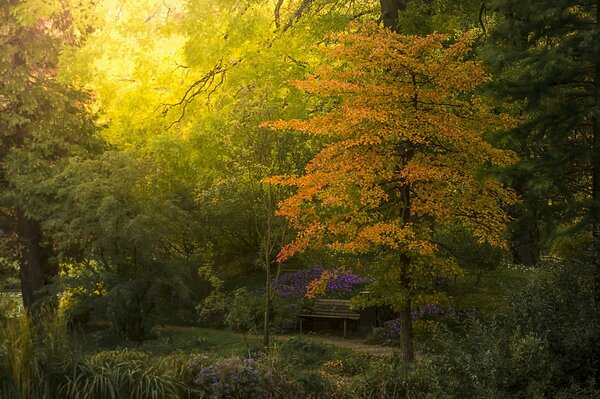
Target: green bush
{"x": 562, "y": 304}
{"x": 246, "y": 311}
{"x": 316, "y": 369}
{"x": 393, "y": 380}
{"x": 545, "y": 345}
{"x": 38, "y": 360}
{"x": 238, "y": 310}
{"x": 304, "y": 352}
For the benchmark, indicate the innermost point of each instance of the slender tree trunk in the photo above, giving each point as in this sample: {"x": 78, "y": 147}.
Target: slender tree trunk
{"x": 268, "y": 245}
{"x": 406, "y": 326}
{"x": 268, "y": 300}
{"x": 32, "y": 277}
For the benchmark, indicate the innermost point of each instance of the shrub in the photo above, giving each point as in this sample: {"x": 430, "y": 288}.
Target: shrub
{"x": 300, "y": 351}
{"x": 239, "y": 310}
{"x": 318, "y": 370}
{"x": 390, "y": 380}
{"x": 295, "y": 284}
{"x": 234, "y": 377}
{"x": 426, "y": 320}
{"x": 231, "y": 378}
{"x": 545, "y": 345}
{"x": 562, "y": 304}
{"x": 245, "y": 311}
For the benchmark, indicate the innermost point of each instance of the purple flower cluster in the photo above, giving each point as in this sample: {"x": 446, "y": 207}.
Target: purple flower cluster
{"x": 230, "y": 378}
{"x": 294, "y": 284}
{"x": 391, "y": 329}
{"x": 345, "y": 282}
{"x": 428, "y": 311}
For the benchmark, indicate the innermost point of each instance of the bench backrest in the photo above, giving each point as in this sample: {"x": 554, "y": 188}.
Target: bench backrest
{"x": 334, "y": 308}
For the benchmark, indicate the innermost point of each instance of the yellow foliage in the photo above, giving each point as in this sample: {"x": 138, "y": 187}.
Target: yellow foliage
{"x": 406, "y": 150}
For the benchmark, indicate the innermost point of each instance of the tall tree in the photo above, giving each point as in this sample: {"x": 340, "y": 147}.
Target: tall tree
{"x": 256, "y": 48}
{"x": 123, "y": 237}
{"x": 422, "y": 17}
{"x": 389, "y": 13}
{"x": 405, "y": 156}
{"x": 42, "y": 120}
{"x": 546, "y": 54}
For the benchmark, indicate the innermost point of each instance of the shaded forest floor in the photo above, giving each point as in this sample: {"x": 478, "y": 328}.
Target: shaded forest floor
{"x": 206, "y": 335}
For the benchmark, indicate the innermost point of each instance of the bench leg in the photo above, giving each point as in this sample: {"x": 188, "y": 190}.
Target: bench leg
{"x": 301, "y": 325}
{"x": 344, "y": 328}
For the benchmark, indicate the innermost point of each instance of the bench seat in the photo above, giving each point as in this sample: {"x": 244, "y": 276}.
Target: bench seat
{"x": 339, "y": 309}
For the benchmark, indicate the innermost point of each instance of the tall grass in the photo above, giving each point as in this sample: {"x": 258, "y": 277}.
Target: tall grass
{"x": 126, "y": 374}
{"x": 33, "y": 355}
{"x": 38, "y": 360}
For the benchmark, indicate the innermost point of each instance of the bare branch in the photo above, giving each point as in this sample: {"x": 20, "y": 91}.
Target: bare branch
{"x": 208, "y": 83}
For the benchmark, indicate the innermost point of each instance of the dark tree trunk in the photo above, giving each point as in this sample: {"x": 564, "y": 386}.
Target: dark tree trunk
{"x": 596, "y": 153}
{"x": 406, "y": 325}
{"x": 31, "y": 271}
{"x": 389, "y": 13}
{"x": 525, "y": 243}
{"x": 596, "y": 170}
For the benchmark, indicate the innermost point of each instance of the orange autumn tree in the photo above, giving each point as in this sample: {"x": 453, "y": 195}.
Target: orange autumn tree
{"x": 405, "y": 155}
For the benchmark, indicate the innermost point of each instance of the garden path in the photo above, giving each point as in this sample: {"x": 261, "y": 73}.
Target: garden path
{"x": 354, "y": 344}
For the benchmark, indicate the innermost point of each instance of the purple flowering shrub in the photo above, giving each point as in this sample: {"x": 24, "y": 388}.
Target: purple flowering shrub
{"x": 425, "y": 321}
{"x": 232, "y": 378}
{"x": 295, "y": 284}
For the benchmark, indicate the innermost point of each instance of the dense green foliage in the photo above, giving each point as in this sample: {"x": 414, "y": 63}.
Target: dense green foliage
{"x": 543, "y": 345}
{"x": 42, "y": 122}
{"x": 545, "y": 57}
{"x": 134, "y": 194}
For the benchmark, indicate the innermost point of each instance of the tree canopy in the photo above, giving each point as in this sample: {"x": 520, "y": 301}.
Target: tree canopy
{"x": 152, "y": 148}
{"x": 405, "y": 155}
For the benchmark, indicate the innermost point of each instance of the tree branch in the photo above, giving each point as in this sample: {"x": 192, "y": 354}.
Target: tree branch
{"x": 297, "y": 14}
{"x": 277, "y": 13}
{"x": 205, "y": 84}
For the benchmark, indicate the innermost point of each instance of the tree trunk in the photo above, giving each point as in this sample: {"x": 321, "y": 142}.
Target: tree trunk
{"x": 389, "y": 13}
{"x": 406, "y": 326}
{"x": 596, "y": 153}
{"x": 268, "y": 300}
{"x": 525, "y": 243}
{"x": 32, "y": 277}
{"x": 596, "y": 171}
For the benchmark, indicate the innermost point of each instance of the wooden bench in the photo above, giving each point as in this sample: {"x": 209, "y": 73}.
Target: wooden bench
{"x": 329, "y": 309}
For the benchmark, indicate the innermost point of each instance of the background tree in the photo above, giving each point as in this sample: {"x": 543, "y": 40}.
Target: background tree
{"x": 41, "y": 122}
{"x": 125, "y": 243}
{"x": 422, "y": 17}
{"x": 405, "y": 154}
{"x": 545, "y": 55}
{"x": 190, "y": 96}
